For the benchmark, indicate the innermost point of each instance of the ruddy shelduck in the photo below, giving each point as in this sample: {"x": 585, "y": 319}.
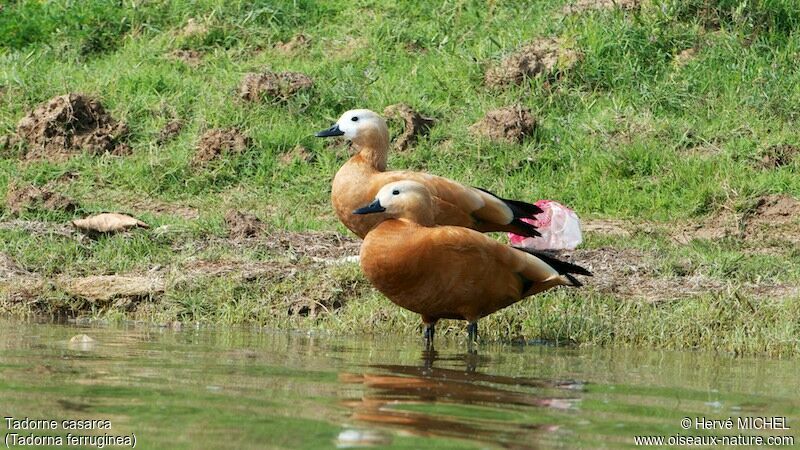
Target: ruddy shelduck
{"x": 360, "y": 178}
{"x": 448, "y": 272}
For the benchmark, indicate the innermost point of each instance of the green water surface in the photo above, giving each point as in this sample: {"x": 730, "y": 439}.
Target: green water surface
{"x": 253, "y": 388}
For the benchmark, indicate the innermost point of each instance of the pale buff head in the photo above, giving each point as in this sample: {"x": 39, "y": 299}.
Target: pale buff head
{"x": 368, "y": 132}
{"x": 403, "y": 199}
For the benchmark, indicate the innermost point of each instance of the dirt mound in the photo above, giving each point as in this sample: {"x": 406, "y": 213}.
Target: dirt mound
{"x": 580, "y": 6}
{"x": 298, "y": 153}
{"x": 219, "y": 141}
{"x": 67, "y": 124}
{"x": 191, "y": 58}
{"x": 170, "y": 131}
{"x": 242, "y": 225}
{"x": 775, "y": 212}
{"x": 298, "y": 42}
{"x": 777, "y": 156}
{"x": 415, "y": 124}
{"x": 510, "y": 124}
{"x": 273, "y": 86}
{"x": 29, "y": 197}
{"x": 542, "y": 56}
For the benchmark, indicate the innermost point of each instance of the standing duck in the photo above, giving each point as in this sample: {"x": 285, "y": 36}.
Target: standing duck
{"x": 360, "y": 178}
{"x": 448, "y": 272}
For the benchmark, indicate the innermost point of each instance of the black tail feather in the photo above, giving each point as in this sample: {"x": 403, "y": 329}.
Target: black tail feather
{"x": 562, "y": 267}
{"x": 525, "y": 229}
{"x": 519, "y": 208}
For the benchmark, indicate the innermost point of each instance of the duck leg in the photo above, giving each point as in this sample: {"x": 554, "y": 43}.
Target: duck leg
{"x": 472, "y": 332}
{"x": 428, "y": 332}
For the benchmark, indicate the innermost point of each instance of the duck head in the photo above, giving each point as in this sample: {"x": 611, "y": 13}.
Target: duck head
{"x": 366, "y": 130}
{"x": 404, "y": 199}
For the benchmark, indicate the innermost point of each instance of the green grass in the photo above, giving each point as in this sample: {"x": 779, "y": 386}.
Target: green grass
{"x": 626, "y": 133}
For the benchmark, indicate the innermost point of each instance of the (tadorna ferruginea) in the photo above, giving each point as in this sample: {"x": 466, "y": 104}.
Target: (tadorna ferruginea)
{"x": 360, "y": 178}
{"x": 448, "y": 272}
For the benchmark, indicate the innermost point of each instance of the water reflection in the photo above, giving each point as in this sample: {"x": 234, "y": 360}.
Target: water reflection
{"x": 461, "y": 402}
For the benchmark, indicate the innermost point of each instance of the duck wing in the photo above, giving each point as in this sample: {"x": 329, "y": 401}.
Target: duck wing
{"x": 460, "y": 205}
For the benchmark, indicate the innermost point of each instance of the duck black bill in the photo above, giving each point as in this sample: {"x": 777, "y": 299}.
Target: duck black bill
{"x": 374, "y": 207}
{"x": 332, "y": 131}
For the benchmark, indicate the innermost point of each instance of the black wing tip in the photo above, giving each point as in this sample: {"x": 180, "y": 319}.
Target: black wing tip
{"x": 523, "y": 209}
{"x": 562, "y": 267}
{"x": 518, "y": 207}
{"x": 574, "y": 281}
{"x": 525, "y": 229}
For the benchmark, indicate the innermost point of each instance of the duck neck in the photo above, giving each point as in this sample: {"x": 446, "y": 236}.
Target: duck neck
{"x": 422, "y": 216}
{"x": 373, "y": 147}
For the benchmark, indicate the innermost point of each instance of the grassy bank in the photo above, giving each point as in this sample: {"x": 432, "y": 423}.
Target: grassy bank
{"x": 671, "y": 128}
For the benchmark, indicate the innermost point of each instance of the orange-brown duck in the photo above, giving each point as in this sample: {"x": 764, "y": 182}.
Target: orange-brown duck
{"x": 448, "y": 272}
{"x": 360, "y": 178}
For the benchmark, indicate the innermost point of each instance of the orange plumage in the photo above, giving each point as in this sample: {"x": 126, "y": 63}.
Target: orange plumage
{"x": 359, "y": 179}
{"x": 447, "y": 272}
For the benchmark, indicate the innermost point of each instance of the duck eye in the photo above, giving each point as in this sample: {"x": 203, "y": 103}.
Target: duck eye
{"x": 354, "y": 119}
{"x": 395, "y": 192}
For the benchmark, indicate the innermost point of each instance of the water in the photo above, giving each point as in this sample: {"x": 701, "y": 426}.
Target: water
{"x": 245, "y": 388}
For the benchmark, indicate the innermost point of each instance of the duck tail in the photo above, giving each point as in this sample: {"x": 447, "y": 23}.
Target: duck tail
{"x": 565, "y": 269}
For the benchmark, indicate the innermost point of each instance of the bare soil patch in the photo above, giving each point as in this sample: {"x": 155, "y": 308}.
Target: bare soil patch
{"x": 416, "y": 124}
{"x": 510, "y": 124}
{"x": 539, "y": 57}
{"x": 298, "y": 153}
{"x": 777, "y": 156}
{"x": 192, "y": 58}
{"x": 296, "y": 43}
{"x": 170, "y": 131}
{"x": 243, "y": 225}
{"x": 685, "y": 57}
{"x": 581, "y": 6}
{"x": 9, "y": 269}
{"x": 29, "y": 197}
{"x": 273, "y": 86}
{"x": 632, "y": 274}
{"x": 247, "y": 270}
{"x": 614, "y": 227}
{"x": 163, "y": 208}
{"x": 219, "y": 141}
{"x": 775, "y": 215}
{"x": 772, "y": 220}
{"x": 194, "y": 27}
{"x": 68, "y": 124}
{"x": 318, "y": 245}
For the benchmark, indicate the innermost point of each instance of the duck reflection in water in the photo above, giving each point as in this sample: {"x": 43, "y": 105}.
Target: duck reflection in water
{"x": 420, "y": 400}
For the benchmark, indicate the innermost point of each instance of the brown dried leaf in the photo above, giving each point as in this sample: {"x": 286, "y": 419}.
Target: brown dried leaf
{"x": 108, "y": 223}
